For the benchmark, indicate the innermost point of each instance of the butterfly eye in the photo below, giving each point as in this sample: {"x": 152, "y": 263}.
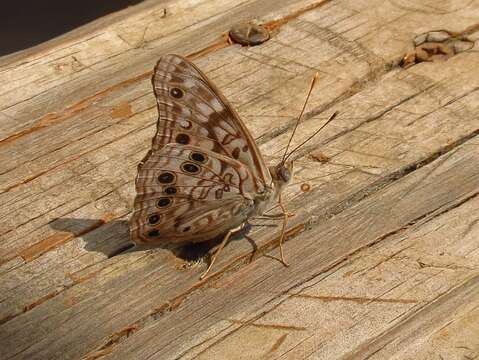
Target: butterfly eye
{"x": 153, "y": 219}
{"x": 284, "y": 174}
{"x": 190, "y": 168}
{"x": 171, "y": 190}
{"x": 162, "y": 202}
{"x": 153, "y": 233}
{"x": 177, "y": 93}
{"x": 182, "y": 139}
{"x": 166, "y": 178}
{"x": 199, "y": 157}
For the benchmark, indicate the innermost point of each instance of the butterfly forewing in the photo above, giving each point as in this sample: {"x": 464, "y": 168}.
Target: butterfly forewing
{"x": 193, "y": 111}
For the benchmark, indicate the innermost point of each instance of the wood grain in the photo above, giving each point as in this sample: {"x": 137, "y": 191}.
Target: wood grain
{"x": 383, "y": 247}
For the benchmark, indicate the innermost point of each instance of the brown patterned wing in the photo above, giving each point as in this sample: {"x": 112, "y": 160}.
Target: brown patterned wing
{"x": 189, "y": 194}
{"x": 193, "y": 111}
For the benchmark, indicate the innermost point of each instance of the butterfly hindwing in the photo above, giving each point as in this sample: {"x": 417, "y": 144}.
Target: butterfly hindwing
{"x": 186, "y": 194}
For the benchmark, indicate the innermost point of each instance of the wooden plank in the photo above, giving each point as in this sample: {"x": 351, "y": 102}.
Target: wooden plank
{"x": 69, "y": 183}
{"x": 457, "y": 338}
{"x": 323, "y": 309}
{"x": 416, "y": 337}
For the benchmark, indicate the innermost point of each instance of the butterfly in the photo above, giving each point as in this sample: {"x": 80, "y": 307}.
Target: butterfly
{"x": 204, "y": 176}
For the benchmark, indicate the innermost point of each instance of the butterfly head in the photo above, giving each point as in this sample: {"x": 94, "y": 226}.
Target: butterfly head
{"x": 282, "y": 174}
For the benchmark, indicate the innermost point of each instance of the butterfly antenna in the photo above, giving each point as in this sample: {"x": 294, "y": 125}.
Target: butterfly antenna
{"x": 331, "y": 118}
{"x": 313, "y": 82}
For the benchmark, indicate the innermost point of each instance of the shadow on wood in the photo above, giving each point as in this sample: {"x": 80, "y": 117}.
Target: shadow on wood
{"x": 113, "y": 238}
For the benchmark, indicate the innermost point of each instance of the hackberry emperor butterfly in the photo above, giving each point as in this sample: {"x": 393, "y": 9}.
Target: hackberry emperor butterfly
{"x": 204, "y": 175}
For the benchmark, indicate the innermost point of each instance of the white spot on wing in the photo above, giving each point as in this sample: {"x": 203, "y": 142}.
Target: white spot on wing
{"x": 216, "y": 105}
{"x": 205, "y": 109}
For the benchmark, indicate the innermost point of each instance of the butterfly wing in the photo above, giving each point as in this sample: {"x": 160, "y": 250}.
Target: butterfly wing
{"x": 188, "y": 194}
{"x": 193, "y": 111}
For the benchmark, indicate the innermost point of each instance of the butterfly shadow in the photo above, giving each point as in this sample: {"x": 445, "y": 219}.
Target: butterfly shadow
{"x": 112, "y": 238}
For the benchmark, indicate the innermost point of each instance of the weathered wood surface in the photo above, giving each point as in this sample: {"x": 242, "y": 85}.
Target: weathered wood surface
{"x": 383, "y": 248}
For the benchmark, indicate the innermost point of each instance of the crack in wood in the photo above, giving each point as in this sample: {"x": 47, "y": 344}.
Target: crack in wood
{"x": 278, "y": 343}
{"x": 382, "y": 261}
{"x": 268, "y": 326}
{"x": 356, "y": 299}
{"x": 423, "y": 264}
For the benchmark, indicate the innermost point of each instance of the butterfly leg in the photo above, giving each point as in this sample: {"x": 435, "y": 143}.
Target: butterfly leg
{"x": 220, "y": 247}
{"x": 283, "y": 230}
